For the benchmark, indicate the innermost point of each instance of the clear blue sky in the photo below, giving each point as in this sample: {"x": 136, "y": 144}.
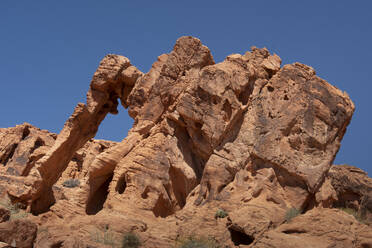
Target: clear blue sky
{"x": 49, "y": 51}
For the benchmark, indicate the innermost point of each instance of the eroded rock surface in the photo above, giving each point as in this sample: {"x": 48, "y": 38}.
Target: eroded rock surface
{"x": 319, "y": 228}
{"x": 244, "y": 135}
{"x": 18, "y": 233}
{"x": 21, "y": 147}
{"x": 354, "y": 189}
{"x": 24, "y": 145}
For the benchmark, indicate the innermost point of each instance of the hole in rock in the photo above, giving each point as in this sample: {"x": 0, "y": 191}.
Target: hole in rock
{"x": 25, "y": 133}
{"x": 215, "y": 100}
{"x": 221, "y": 187}
{"x": 145, "y": 193}
{"x": 115, "y": 127}
{"x": 162, "y": 208}
{"x": 121, "y": 185}
{"x": 270, "y": 88}
{"x": 245, "y": 94}
{"x": 58, "y": 244}
{"x": 98, "y": 198}
{"x": 294, "y": 231}
{"x": 240, "y": 238}
{"x": 39, "y": 142}
{"x": 198, "y": 125}
{"x": 8, "y": 155}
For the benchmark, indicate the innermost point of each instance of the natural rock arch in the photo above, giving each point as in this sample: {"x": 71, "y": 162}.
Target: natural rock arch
{"x": 200, "y": 123}
{"x": 113, "y": 80}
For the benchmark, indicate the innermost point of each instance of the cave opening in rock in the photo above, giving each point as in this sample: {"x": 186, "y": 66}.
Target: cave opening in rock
{"x": 240, "y": 238}
{"x": 162, "y": 207}
{"x": 121, "y": 185}
{"x": 98, "y": 198}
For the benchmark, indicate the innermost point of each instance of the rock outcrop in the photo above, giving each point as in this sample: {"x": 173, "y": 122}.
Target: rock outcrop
{"x": 354, "y": 189}
{"x": 319, "y": 228}
{"x": 24, "y": 145}
{"x": 244, "y": 135}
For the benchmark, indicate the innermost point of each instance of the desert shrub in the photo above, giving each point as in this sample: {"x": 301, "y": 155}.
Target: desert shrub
{"x": 291, "y": 213}
{"x": 16, "y": 210}
{"x": 220, "y": 213}
{"x": 106, "y": 237}
{"x": 130, "y": 240}
{"x": 354, "y": 213}
{"x": 198, "y": 242}
{"x": 18, "y": 215}
{"x": 71, "y": 183}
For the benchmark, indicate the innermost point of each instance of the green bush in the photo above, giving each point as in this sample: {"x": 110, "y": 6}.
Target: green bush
{"x": 291, "y": 213}
{"x": 198, "y": 242}
{"x": 71, "y": 183}
{"x": 130, "y": 240}
{"x": 220, "y": 213}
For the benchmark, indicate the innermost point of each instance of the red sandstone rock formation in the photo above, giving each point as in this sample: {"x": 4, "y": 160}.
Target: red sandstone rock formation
{"x": 245, "y": 135}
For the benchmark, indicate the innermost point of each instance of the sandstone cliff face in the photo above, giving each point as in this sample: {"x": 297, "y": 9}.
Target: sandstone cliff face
{"x": 245, "y": 135}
